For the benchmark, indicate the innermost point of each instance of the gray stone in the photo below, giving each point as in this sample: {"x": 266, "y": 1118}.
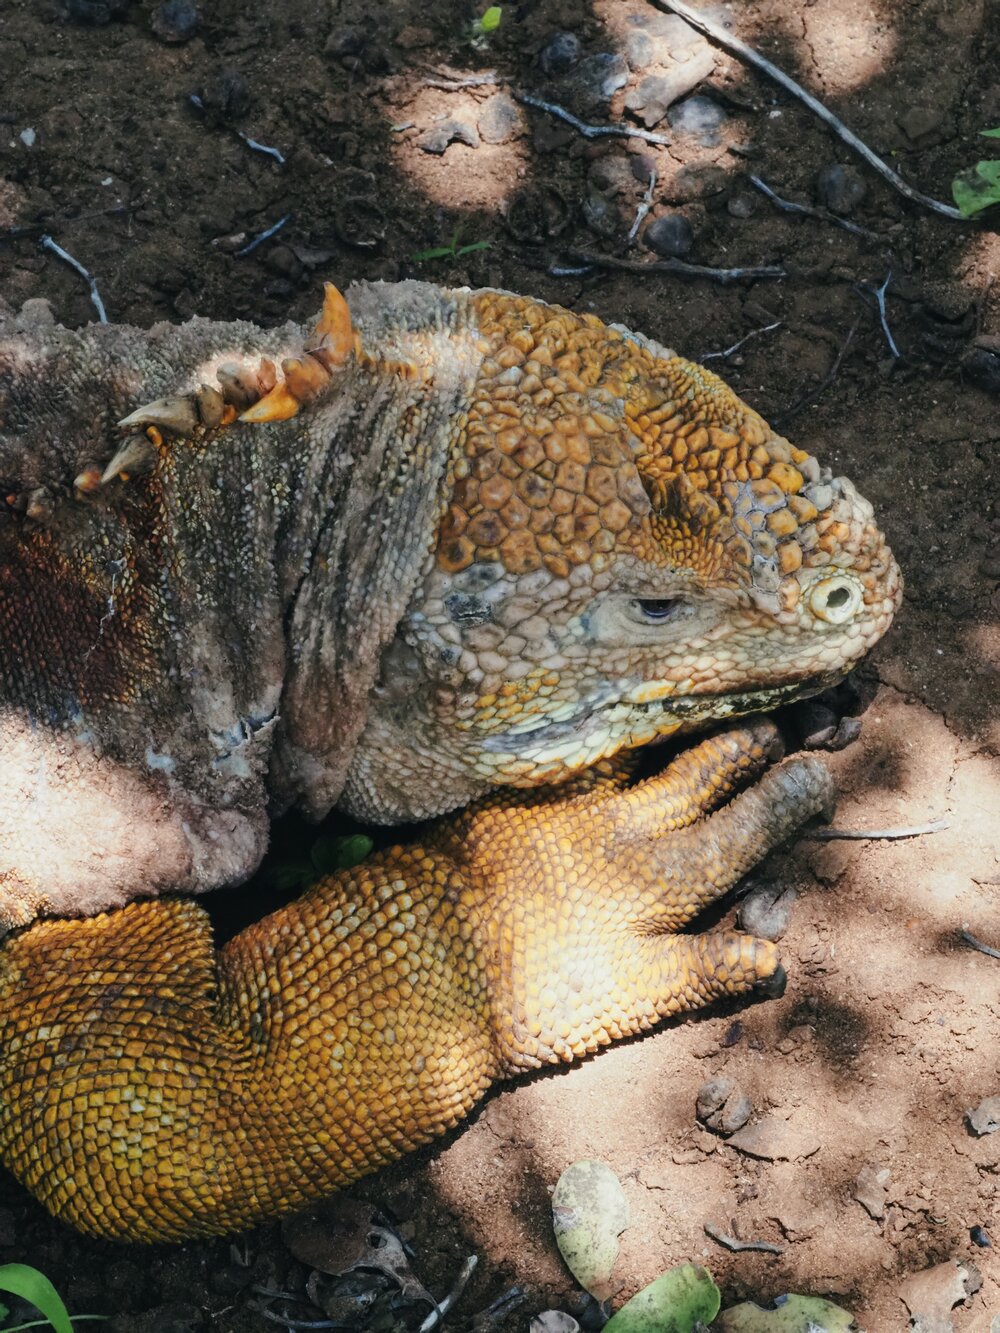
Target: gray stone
{"x": 841, "y": 188}
{"x": 500, "y": 119}
{"x": 657, "y": 92}
{"x": 699, "y": 117}
{"x": 560, "y": 53}
{"x": 594, "y": 81}
{"x": 670, "y": 236}
{"x": 437, "y": 139}
{"x": 766, "y": 911}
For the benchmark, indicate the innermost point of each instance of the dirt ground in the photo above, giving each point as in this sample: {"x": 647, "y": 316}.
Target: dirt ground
{"x": 888, "y": 1030}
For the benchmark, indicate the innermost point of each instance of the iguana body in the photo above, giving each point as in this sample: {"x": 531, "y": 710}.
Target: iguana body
{"x": 478, "y": 541}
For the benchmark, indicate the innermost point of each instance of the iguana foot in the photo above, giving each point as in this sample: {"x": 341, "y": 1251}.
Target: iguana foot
{"x": 152, "y": 1089}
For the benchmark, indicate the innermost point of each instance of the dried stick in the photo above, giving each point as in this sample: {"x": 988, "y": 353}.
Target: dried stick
{"x": 679, "y": 266}
{"x": 732, "y": 1243}
{"x": 863, "y": 835}
{"x": 975, "y": 943}
{"x": 809, "y": 211}
{"x": 589, "y": 131}
{"x": 645, "y": 204}
{"x": 47, "y": 243}
{"x": 751, "y": 57}
{"x": 754, "y": 333}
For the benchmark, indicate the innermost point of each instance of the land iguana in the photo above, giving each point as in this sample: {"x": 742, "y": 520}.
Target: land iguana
{"x": 445, "y": 545}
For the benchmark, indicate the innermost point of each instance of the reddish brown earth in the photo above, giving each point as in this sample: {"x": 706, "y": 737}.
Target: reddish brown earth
{"x": 888, "y": 1031}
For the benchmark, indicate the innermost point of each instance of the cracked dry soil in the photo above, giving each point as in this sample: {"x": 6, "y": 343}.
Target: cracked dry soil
{"x": 888, "y": 1030}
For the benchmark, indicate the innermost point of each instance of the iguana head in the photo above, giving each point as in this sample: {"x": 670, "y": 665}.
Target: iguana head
{"x": 628, "y": 550}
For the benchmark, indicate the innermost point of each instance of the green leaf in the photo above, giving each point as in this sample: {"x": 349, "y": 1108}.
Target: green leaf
{"x": 31, "y": 1285}
{"x": 491, "y": 19}
{"x": 589, "y": 1213}
{"x": 438, "y": 252}
{"x": 674, "y": 1303}
{"x": 990, "y": 134}
{"x": 336, "y": 852}
{"x": 468, "y": 249}
{"x": 794, "y": 1314}
{"x": 977, "y": 188}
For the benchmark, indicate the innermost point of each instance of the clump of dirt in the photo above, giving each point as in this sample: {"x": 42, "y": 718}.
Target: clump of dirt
{"x": 225, "y": 160}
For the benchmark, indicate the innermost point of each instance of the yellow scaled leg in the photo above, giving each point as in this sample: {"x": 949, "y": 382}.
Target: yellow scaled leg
{"x": 152, "y": 1088}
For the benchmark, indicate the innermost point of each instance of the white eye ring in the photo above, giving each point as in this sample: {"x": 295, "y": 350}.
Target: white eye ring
{"x": 836, "y": 600}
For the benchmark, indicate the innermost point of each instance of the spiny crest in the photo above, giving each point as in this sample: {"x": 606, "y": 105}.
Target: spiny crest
{"x": 244, "y": 393}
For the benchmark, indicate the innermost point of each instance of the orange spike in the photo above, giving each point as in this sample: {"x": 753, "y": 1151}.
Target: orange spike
{"x": 332, "y": 339}
{"x": 278, "y": 405}
{"x": 305, "y": 378}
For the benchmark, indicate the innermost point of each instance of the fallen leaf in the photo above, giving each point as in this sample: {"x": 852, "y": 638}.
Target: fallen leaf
{"x": 793, "y": 1314}
{"x": 931, "y": 1295}
{"x": 589, "y": 1213}
{"x": 674, "y": 1303}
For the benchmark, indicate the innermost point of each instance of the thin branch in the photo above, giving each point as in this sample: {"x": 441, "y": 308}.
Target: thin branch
{"x": 754, "y": 333}
{"x": 645, "y": 204}
{"x": 680, "y": 267}
{"x": 47, "y": 243}
{"x": 589, "y": 131}
{"x": 863, "y": 835}
{"x": 732, "y": 1243}
{"x": 807, "y": 399}
{"x": 975, "y": 943}
{"x": 444, "y": 1305}
{"x": 263, "y": 236}
{"x": 746, "y": 53}
{"x": 810, "y": 211}
{"x": 879, "y": 295}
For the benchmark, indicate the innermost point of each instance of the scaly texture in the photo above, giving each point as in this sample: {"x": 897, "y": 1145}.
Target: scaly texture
{"x": 445, "y": 542}
{"x": 153, "y": 1090}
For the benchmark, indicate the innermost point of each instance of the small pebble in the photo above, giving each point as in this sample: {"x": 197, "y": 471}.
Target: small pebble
{"x": 600, "y": 213}
{"x": 227, "y": 94}
{"x": 594, "y": 81}
{"x": 841, "y": 188}
{"x": 500, "y": 119}
{"x": 919, "y": 122}
{"x": 96, "y": 13}
{"x": 344, "y": 42}
{"x": 560, "y": 53}
{"x": 767, "y": 910}
{"x": 982, "y": 367}
{"x": 670, "y": 236}
{"x": 175, "y": 21}
{"x": 981, "y": 1237}
{"x": 437, "y": 139}
{"x": 990, "y": 565}
{"x": 639, "y": 49}
{"x": 699, "y": 117}
{"x": 742, "y": 204}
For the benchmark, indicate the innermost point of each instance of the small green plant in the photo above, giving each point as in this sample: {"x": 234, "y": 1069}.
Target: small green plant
{"x": 30, "y": 1285}
{"x": 489, "y": 22}
{"x": 329, "y": 853}
{"x": 450, "y": 251}
{"x": 978, "y": 187}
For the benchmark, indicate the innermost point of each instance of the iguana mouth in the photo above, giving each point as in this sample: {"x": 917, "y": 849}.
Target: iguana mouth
{"x": 683, "y": 712}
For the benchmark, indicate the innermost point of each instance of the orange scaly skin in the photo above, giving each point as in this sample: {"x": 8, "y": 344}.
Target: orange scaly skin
{"x": 454, "y": 542}
{"x": 163, "y": 1091}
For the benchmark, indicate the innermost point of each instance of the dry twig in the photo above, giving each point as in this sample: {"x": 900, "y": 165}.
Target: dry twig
{"x": 678, "y": 266}
{"x": 863, "y": 835}
{"x": 47, "y": 243}
{"x": 749, "y": 56}
{"x": 732, "y": 1243}
{"x": 782, "y": 419}
{"x": 810, "y": 211}
{"x": 754, "y": 333}
{"x": 976, "y": 943}
{"x": 581, "y": 126}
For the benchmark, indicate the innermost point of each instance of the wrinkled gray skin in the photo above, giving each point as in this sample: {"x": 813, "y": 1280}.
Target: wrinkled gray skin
{"x": 258, "y": 621}
{"x": 285, "y": 557}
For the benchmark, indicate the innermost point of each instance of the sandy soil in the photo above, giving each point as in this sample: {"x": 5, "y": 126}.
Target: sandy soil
{"x": 888, "y": 1030}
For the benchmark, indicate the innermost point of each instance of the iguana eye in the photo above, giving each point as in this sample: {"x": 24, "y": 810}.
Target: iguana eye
{"x": 655, "y": 610}
{"x": 835, "y": 600}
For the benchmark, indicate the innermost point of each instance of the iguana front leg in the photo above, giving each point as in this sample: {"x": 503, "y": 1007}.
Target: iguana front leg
{"x": 153, "y": 1089}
